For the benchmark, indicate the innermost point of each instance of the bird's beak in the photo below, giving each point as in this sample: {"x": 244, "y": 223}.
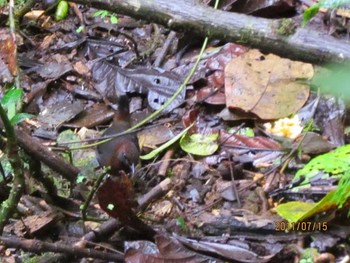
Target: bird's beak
{"x": 133, "y": 169}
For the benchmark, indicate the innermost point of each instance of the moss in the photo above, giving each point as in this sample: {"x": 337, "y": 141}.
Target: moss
{"x": 287, "y": 27}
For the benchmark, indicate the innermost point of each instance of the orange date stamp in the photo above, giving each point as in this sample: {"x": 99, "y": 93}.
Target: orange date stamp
{"x": 301, "y": 226}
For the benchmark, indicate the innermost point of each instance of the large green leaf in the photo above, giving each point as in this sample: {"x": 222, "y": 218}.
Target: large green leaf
{"x": 199, "y": 144}
{"x": 19, "y": 117}
{"x": 334, "y": 163}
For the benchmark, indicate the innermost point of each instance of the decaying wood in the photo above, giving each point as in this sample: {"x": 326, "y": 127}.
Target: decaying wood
{"x": 37, "y": 246}
{"x": 38, "y": 151}
{"x": 305, "y": 45}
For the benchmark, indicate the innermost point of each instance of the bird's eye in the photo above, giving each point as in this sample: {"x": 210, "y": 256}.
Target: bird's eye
{"x": 125, "y": 159}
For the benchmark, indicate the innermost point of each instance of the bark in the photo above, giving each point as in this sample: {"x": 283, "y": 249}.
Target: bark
{"x": 40, "y": 152}
{"x": 39, "y": 247}
{"x": 305, "y": 45}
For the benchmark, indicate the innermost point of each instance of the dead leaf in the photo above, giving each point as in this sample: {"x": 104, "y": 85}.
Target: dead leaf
{"x": 155, "y": 136}
{"x": 266, "y": 84}
{"x": 159, "y": 85}
{"x": 115, "y": 197}
{"x": 8, "y": 65}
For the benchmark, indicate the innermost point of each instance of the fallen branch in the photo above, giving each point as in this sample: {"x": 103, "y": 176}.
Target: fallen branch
{"x": 39, "y": 247}
{"x": 305, "y": 45}
{"x": 40, "y": 152}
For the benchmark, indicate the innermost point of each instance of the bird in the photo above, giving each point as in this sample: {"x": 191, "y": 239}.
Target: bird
{"x": 121, "y": 153}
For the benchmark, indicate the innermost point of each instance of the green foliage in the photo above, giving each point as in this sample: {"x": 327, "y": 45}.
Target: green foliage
{"x": 80, "y": 29}
{"x": 342, "y": 193}
{"x": 335, "y": 163}
{"x": 80, "y": 179}
{"x": 310, "y": 13}
{"x": 11, "y": 102}
{"x": 334, "y": 80}
{"x": 180, "y": 221}
{"x": 20, "y": 2}
{"x": 61, "y": 10}
{"x": 199, "y": 144}
{"x": 249, "y": 132}
{"x": 28, "y": 258}
{"x": 17, "y": 3}
{"x": 329, "y": 4}
{"x": 106, "y": 14}
{"x": 308, "y": 255}
{"x": 11, "y": 97}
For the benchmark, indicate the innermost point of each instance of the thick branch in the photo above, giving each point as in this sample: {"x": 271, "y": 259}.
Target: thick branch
{"x": 304, "y": 45}
{"x": 37, "y": 246}
{"x": 43, "y": 154}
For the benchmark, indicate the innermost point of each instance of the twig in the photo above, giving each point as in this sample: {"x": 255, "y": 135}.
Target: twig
{"x": 37, "y": 246}
{"x": 91, "y": 195}
{"x": 166, "y": 161}
{"x": 233, "y": 183}
{"x": 165, "y": 49}
{"x": 157, "y": 191}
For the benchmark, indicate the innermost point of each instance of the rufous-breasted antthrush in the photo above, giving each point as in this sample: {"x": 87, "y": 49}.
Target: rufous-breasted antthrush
{"x": 120, "y": 153}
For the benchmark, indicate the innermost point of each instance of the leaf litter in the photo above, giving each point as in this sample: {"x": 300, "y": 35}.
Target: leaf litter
{"x": 212, "y": 183}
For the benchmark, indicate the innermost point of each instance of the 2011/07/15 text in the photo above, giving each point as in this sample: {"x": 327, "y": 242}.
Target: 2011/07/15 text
{"x": 300, "y": 226}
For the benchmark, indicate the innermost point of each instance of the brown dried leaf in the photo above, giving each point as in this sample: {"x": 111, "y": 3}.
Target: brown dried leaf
{"x": 266, "y": 85}
{"x": 252, "y": 142}
{"x": 211, "y": 96}
{"x": 8, "y": 63}
{"x": 116, "y": 198}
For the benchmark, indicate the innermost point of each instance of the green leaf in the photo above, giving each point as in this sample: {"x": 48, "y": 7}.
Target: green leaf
{"x": 79, "y": 29}
{"x": 180, "y": 221}
{"x": 310, "y": 13}
{"x": 101, "y": 13}
{"x": 334, "y": 80}
{"x": 164, "y": 146}
{"x": 293, "y": 211}
{"x": 342, "y": 193}
{"x": 114, "y": 19}
{"x": 80, "y": 179}
{"x": 19, "y": 117}
{"x": 11, "y": 97}
{"x": 249, "y": 132}
{"x": 199, "y": 144}
{"x": 11, "y": 110}
{"x": 299, "y": 211}
{"x": 61, "y": 10}
{"x": 334, "y": 163}
{"x": 328, "y": 4}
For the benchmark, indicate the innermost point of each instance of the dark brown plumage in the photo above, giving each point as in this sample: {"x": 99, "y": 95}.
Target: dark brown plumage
{"x": 121, "y": 153}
